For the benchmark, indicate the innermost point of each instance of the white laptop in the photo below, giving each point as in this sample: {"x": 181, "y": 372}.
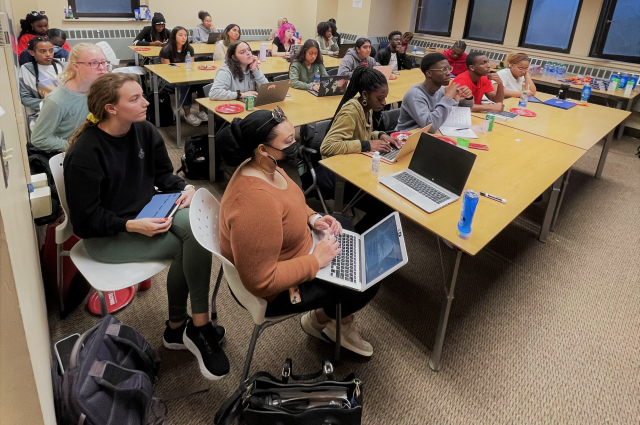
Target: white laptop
{"x": 368, "y": 258}
{"x": 436, "y": 175}
{"x": 385, "y": 69}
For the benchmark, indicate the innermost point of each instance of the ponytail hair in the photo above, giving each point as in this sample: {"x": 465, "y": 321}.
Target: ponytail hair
{"x": 70, "y": 72}
{"x": 104, "y": 91}
{"x": 514, "y": 58}
{"x": 362, "y": 79}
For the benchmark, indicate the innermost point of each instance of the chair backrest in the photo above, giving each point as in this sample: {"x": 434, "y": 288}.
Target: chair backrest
{"x": 108, "y": 52}
{"x": 314, "y": 134}
{"x": 207, "y": 89}
{"x": 281, "y": 77}
{"x": 65, "y": 230}
{"x": 390, "y": 119}
{"x": 204, "y": 216}
{"x": 332, "y": 72}
{"x": 383, "y": 45}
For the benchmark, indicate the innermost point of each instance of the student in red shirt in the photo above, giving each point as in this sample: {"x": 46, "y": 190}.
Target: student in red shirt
{"x": 457, "y": 57}
{"x": 478, "y": 79}
{"x": 33, "y": 25}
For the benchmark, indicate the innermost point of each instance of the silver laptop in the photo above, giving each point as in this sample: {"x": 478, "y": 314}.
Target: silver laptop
{"x": 272, "y": 92}
{"x": 366, "y": 259}
{"x": 436, "y": 175}
{"x": 409, "y": 146}
{"x": 385, "y": 69}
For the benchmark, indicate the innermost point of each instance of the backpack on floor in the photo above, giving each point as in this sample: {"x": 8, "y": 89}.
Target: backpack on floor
{"x": 195, "y": 161}
{"x": 167, "y": 117}
{"x": 111, "y": 378}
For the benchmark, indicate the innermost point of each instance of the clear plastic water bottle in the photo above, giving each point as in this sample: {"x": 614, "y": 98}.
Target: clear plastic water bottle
{"x": 187, "y": 61}
{"x": 70, "y": 12}
{"x": 561, "y": 71}
{"x": 316, "y": 76}
{"x": 586, "y": 92}
{"x": 375, "y": 163}
{"x": 624, "y": 77}
{"x": 415, "y": 50}
{"x": 524, "y": 100}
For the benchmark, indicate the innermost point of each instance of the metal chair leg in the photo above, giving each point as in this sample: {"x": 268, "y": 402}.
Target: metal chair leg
{"x": 252, "y": 347}
{"x": 59, "y": 277}
{"x": 336, "y": 353}
{"x": 103, "y": 304}
{"x": 214, "y": 311}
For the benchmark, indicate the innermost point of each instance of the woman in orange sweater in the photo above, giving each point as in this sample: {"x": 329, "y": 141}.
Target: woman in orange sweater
{"x": 265, "y": 231}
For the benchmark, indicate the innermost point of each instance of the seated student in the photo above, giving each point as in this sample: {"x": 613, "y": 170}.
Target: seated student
{"x": 357, "y": 56}
{"x": 284, "y": 40}
{"x": 202, "y": 31}
{"x": 476, "y": 79}
{"x": 334, "y": 30}
{"x": 230, "y": 34}
{"x": 351, "y": 131}
{"x": 175, "y": 51}
{"x": 328, "y": 45}
{"x": 431, "y": 101}
{"x": 240, "y": 75}
{"x": 406, "y": 39}
{"x": 516, "y": 78}
{"x": 265, "y": 231}
{"x": 394, "y": 54}
{"x": 65, "y": 109}
{"x": 112, "y": 165}
{"x": 303, "y": 68}
{"x": 58, "y": 38}
{"x": 39, "y": 77}
{"x": 155, "y": 34}
{"x": 457, "y": 57}
{"x": 35, "y": 24}
{"x": 274, "y": 32}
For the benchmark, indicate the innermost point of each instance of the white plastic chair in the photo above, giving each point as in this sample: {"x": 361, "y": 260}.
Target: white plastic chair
{"x": 204, "y": 216}
{"x": 103, "y": 277}
{"x": 111, "y": 57}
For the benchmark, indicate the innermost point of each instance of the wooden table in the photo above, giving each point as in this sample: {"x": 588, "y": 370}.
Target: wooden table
{"x": 516, "y": 171}
{"x": 154, "y": 51}
{"x": 406, "y": 79}
{"x": 618, "y": 96}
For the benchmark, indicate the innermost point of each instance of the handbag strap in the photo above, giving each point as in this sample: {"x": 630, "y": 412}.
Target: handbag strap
{"x": 287, "y": 372}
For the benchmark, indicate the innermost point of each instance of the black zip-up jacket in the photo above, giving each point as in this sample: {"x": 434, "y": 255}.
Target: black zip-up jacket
{"x": 144, "y": 37}
{"x": 384, "y": 56}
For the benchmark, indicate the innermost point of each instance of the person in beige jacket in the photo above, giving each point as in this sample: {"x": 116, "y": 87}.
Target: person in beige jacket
{"x": 351, "y": 131}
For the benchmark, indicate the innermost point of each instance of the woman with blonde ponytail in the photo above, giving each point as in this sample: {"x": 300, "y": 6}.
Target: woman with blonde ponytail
{"x": 111, "y": 167}
{"x": 65, "y": 109}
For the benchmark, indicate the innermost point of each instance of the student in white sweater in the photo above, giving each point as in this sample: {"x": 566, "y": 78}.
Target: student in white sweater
{"x": 516, "y": 78}
{"x": 230, "y": 34}
{"x": 240, "y": 76}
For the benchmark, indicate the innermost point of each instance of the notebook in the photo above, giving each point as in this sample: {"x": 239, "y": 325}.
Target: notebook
{"x": 458, "y": 123}
{"x": 559, "y": 103}
{"x": 161, "y": 206}
{"x": 534, "y": 99}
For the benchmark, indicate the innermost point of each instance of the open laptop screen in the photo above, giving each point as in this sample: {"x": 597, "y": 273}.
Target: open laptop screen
{"x": 382, "y": 248}
{"x": 446, "y": 165}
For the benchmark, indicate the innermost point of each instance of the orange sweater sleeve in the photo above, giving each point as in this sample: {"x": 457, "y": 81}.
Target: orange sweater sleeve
{"x": 255, "y": 234}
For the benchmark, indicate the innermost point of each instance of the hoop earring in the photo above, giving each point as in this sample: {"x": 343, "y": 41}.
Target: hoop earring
{"x": 274, "y": 162}
{"x": 364, "y": 102}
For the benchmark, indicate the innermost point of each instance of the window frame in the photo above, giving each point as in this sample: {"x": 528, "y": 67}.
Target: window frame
{"x": 467, "y": 25}
{"x": 442, "y": 34}
{"x": 135, "y": 4}
{"x": 525, "y": 27}
{"x": 602, "y": 32}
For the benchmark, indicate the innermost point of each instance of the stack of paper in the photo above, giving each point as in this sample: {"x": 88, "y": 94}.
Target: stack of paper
{"x": 458, "y": 123}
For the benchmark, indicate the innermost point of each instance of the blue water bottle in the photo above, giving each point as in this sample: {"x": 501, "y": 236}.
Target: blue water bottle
{"x": 586, "y": 92}
{"x": 624, "y": 77}
{"x": 469, "y": 204}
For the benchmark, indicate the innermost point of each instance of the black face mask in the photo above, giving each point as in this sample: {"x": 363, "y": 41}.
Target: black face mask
{"x": 290, "y": 153}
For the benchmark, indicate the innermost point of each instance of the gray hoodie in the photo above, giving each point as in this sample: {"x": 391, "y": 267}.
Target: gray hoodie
{"x": 201, "y": 34}
{"x": 351, "y": 61}
{"x": 225, "y": 85}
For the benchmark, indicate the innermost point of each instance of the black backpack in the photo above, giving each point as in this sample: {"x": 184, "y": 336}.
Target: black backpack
{"x": 39, "y": 163}
{"x": 195, "y": 161}
{"x": 167, "y": 117}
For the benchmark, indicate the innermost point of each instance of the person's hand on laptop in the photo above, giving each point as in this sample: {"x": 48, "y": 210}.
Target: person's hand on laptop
{"x": 380, "y": 146}
{"x": 395, "y": 142}
{"x": 186, "y": 197}
{"x": 315, "y": 87}
{"x": 326, "y": 250}
{"x": 244, "y": 94}
{"x": 149, "y": 226}
{"x": 328, "y": 223}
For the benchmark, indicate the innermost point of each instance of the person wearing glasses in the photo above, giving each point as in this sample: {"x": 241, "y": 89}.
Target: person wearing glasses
{"x": 431, "y": 101}
{"x": 478, "y": 78}
{"x": 516, "y": 77}
{"x": 65, "y": 109}
{"x": 202, "y": 31}
{"x": 265, "y": 231}
{"x": 155, "y": 34}
{"x": 39, "y": 77}
{"x": 112, "y": 167}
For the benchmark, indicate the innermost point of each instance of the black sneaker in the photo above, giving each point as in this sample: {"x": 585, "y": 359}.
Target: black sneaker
{"x": 172, "y": 338}
{"x": 202, "y": 341}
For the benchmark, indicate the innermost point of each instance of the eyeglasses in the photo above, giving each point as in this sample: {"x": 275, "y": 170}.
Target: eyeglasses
{"x": 521, "y": 69}
{"x": 446, "y": 69}
{"x": 97, "y": 64}
{"x": 277, "y": 114}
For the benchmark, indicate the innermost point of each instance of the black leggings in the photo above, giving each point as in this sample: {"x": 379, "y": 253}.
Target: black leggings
{"x": 325, "y": 295}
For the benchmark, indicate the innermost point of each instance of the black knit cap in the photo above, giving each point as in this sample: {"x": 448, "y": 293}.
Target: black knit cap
{"x": 237, "y": 141}
{"x": 158, "y": 19}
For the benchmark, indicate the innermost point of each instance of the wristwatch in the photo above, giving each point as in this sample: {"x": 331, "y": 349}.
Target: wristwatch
{"x": 239, "y": 95}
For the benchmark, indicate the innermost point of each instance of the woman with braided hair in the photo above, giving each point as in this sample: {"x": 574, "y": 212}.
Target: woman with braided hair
{"x": 34, "y": 24}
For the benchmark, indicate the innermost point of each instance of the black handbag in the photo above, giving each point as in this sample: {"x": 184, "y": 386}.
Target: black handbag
{"x": 265, "y": 400}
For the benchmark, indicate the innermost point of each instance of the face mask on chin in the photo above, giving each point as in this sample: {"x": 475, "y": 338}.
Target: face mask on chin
{"x": 56, "y": 49}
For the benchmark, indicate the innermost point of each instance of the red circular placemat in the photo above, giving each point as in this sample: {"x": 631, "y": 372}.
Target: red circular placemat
{"x": 230, "y": 108}
{"x": 523, "y": 112}
{"x": 397, "y": 133}
{"x": 116, "y": 300}
{"x": 393, "y": 77}
{"x": 142, "y": 49}
{"x": 207, "y": 67}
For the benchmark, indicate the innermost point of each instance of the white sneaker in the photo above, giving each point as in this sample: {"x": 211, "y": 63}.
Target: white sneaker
{"x": 204, "y": 117}
{"x": 309, "y": 324}
{"x": 193, "y": 120}
{"x": 350, "y": 339}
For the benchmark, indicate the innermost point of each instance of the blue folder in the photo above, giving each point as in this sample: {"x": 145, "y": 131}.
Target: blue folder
{"x": 559, "y": 103}
{"x": 160, "y": 206}
{"x": 534, "y": 99}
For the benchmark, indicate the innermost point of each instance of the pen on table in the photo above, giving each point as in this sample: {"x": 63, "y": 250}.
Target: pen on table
{"x": 460, "y": 129}
{"x": 495, "y": 198}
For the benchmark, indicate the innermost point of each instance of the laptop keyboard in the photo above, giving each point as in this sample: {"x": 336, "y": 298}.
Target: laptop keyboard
{"x": 391, "y": 155}
{"x": 345, "y": 265}
{"x": 422, "y": 188}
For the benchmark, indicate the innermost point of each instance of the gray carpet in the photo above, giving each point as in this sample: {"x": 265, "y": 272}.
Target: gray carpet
{"x": 539, "y": 333}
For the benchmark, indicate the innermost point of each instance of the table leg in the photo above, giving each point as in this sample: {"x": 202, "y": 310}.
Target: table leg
{"x": 136, "y": 58}
{"x": 338, "y": 198}
{"x": 603, "y": 155}
{"x": 563, "y": 188}
{"x": 178, "y": 107}
{"x": 212, "y": 146}
{"x": 156, "y": 103}
{"x": 551, "y": 207}
{"x": 436, "y": 354}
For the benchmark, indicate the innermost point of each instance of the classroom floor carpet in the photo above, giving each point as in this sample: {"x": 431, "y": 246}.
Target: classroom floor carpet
{"x": 539, "y": 333}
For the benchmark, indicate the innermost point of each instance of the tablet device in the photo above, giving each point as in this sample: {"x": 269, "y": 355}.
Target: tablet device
{"x": 161, "y": 206}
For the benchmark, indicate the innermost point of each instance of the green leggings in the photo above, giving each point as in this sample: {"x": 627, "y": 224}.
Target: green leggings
{"x": 190, "y": 270}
